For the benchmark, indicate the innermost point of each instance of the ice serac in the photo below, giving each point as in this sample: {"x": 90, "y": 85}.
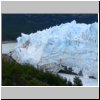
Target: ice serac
{"x": 72, "y": 44}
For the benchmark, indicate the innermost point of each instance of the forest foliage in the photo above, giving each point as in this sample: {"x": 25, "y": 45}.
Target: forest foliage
{"x": 14, "y": 74}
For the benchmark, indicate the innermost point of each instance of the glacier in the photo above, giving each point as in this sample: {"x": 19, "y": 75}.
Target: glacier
{"x": 72, "y": 44}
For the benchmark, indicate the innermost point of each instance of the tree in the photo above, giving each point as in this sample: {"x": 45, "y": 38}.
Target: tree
{"x": 77, "y": 81}
{"x": 70, "y": 70}
{"x": 69, "y": 83}
{"x": 80, "y": 73}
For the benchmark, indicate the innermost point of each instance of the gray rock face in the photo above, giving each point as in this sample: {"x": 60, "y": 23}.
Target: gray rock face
{"x": 8, "y": 58}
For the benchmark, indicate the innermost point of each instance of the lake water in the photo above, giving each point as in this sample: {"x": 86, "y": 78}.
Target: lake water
{"x": 7, "y": 47}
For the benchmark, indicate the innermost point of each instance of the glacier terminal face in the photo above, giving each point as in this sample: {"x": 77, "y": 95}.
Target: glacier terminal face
{"x": 72, "y": 44}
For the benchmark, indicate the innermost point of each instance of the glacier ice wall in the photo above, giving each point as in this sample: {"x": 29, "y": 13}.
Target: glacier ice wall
{"x": 72, "y": 44}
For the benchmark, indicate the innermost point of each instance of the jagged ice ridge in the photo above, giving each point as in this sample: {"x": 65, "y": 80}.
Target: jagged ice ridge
{"x": 72, "y": 44}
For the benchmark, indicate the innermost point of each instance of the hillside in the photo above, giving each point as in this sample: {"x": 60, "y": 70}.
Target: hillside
{"x": 14, "y": 74}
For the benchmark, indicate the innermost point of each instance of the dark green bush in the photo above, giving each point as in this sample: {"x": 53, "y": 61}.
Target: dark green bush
{"x": 69, "y": 83}
{"x": 77, "y": 81}
{"x": 80, "y": 73}
{"x": 14, "y": 74}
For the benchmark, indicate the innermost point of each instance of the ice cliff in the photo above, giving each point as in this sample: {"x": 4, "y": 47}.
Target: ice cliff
{"x": 72, "y": 44}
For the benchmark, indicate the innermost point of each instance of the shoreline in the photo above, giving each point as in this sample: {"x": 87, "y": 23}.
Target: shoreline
{"x": 10, "y": 41}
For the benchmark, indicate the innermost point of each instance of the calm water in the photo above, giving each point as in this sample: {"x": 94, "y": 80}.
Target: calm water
{"x": 14, "y": 24}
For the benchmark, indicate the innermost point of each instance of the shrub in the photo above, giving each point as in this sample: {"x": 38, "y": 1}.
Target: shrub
{"x": 69, "y": 83}
{"x": 80, "y": 73}
{"x": 77, "y": 81}
{"x": 14, "y": 74}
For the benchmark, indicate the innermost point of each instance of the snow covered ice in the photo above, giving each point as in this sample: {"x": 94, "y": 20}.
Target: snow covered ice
{"x": 72, "y": 44}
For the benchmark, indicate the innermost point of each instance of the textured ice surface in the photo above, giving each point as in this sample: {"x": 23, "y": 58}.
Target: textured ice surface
{"x": 72, "y": 44}
{"x": 85, "y": 80}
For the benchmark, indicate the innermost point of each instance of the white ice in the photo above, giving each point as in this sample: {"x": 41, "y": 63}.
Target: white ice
{"x": 72, "y": 44}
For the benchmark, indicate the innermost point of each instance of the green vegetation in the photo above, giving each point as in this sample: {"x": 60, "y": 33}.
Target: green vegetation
{"x": 69, "y": 83}
{"x": 80, "y": 73}
{"x": 14, "y": 74}
{"x": 77, "y": 81}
